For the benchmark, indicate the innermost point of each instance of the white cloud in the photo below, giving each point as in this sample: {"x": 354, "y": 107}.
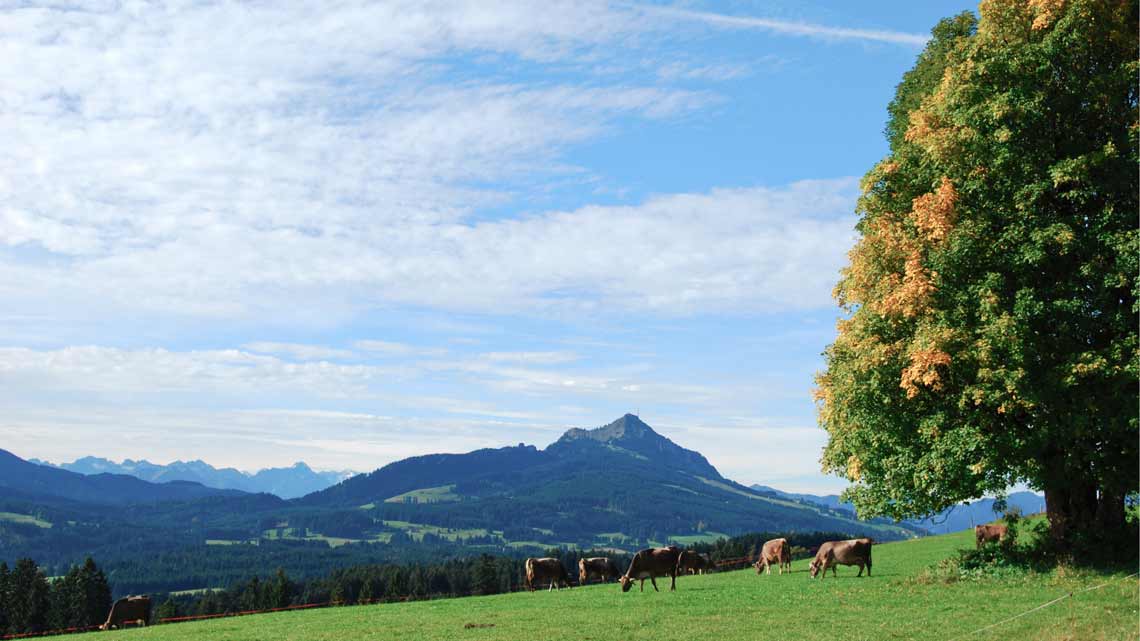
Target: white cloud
{"x": 300, "y": 351}
{"x": 533, "y": 358}
{"x": 393, "y": 348}
{"x": 226, "y": 161}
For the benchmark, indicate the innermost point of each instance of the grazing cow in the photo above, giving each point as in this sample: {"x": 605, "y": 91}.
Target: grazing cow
{"x": 693, "y": 563}
{"x": 546, "y": 569}
{"x": 989, "y": 533}
{"x": 774, "y": 551}
{"x": 128, "y": 610}
{"x": 600, "y": 567}
{"x": 649, "y": 564}
{"x": 833, "y": 553}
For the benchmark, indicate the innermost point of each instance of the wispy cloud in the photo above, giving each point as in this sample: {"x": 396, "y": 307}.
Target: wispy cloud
{"x": 786, "y": 27}
{"x": 299, "y": 351}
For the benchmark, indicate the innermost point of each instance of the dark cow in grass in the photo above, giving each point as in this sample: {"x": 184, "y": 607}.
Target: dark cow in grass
{"x": 539, "y": 571}
{"x": 600, "y": 567}
{"x": 693, "y": 563}
{"x": 129, "y": 610}
{"x": 989, "y": 533}
{"x": 775, "y": 551}
{"x": 649, "y": 564}
{"x": 833, "y": 553}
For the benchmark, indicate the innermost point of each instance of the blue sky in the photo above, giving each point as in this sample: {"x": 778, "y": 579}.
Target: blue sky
{"x": 255, "y": 234}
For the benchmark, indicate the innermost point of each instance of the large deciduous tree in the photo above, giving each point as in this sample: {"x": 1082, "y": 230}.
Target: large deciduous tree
{"x": 990, "y": 329}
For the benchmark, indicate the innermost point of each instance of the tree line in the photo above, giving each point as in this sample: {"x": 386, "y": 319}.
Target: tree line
{"x": 30, "y": 602}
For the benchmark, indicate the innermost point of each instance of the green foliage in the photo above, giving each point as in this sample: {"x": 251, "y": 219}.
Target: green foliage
{"x": 991, "y": 334}
{"x": 28, "y": 600}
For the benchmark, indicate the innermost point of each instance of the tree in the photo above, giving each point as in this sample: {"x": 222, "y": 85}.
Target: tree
{"x": 4, "y": 598}
{"x": 168, "y": 610}
{"x": 28, "y": 598}
{"x": 990, "y": 304}
{"x": 94, "y": 593}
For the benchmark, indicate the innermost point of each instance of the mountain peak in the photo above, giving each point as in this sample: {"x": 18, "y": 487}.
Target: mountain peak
{"x": 628, "y": 427}
{"x": 632, "y": 435}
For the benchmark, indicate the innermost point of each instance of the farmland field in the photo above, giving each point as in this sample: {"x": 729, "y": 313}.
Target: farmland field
{"x": 898, "y": 602}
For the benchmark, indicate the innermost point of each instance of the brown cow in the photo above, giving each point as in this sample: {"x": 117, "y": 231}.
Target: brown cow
{"x": 691, "y": 562}
{"x": 851, "y": 552}
{"x": 649, "y": 564}
{"x": 989, "y": 533}
{"x": 128, "y": 610}
{"x": 600, "y": 567}
{"x": 546, "y": 569}
{"x": 774, "y": 551}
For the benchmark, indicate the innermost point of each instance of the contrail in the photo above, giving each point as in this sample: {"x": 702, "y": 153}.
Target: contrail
{"x": 785, "y": 27}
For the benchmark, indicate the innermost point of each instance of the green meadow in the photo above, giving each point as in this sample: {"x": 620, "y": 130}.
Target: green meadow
{"x": 902, "y": 600}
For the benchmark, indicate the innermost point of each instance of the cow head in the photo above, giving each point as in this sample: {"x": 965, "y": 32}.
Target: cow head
{"x": 626, "y": 583}
{"x": 759, "y": 565}
{"x": 813, "y": 568}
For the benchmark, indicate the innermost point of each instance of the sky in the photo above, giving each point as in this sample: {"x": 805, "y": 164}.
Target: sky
{"x": 347, "y": 233}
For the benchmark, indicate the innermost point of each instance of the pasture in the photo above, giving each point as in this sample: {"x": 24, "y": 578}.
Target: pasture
{"x": 898, "y": 602}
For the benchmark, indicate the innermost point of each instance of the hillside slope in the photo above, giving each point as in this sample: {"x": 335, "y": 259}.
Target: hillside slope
{"x": 894, "y": 603}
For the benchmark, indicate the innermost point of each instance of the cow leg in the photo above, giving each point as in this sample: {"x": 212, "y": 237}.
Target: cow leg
{"x": 643, "y": 585}
{"x": 653, "y": 580}
{"x": 860, "y": 571}
{"x": 673, "y": 586}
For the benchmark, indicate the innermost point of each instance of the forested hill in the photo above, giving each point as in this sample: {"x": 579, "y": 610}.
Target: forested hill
{"x": 623, "y": 480}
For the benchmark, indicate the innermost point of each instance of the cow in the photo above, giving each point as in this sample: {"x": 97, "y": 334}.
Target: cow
{"x": 693, "y": 563}
{"x": 988, "y": 533}
{"x": 546, "y": 569}
{"x": 774, "y": 551}
{"x": 600, "y": 567}
{"x": 128, "y": 610}
{"x": 833, "y": 553}
{"x": 651, "y": 563}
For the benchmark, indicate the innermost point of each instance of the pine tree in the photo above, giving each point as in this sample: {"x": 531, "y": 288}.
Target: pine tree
{"x": 29, "y": 598}
{"x": 94, "y": 594}
{"x": 168, "y": 610}
{"x": 5, "y": 579}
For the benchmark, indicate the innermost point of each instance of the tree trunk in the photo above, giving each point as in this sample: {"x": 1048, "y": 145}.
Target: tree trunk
{"x": 1110, "y": 510}
{"x": 1057, "y": 511}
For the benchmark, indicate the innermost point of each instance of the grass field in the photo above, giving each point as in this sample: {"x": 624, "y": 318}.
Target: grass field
{"x": 13, "y": 517}
{"x": 441, "y": 494}
{"x": 896, "y": 603}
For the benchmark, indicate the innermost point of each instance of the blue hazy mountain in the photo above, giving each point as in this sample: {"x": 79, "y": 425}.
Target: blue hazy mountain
{"x": 960, "y": 517}
{"x": 285, "y": 482}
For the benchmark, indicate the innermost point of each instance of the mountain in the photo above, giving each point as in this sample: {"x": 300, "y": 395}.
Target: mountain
{"x": 621, "y": 486}
{"x": 966, "y": 516}
{"x": 618, "y": 482}
{"x": 285, "y": 482}
{"x": 960, "y": 517}
{"x": 31, "y": 479}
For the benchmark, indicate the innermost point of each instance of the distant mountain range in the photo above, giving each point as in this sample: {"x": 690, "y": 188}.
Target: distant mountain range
{"x": 24, "y": 478}
{"x": 955, "y": 519}
{"x": 285, "y": 482}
